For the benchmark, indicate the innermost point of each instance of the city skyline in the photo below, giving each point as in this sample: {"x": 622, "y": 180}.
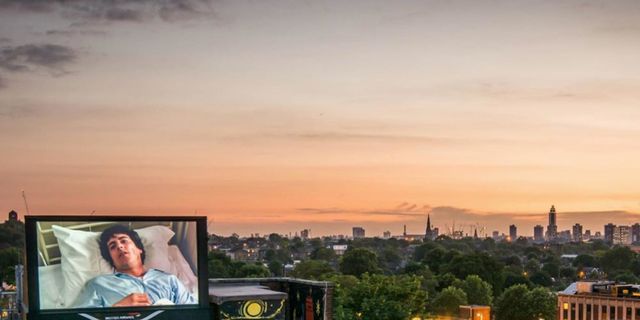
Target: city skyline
{"x": 279, "y": 116}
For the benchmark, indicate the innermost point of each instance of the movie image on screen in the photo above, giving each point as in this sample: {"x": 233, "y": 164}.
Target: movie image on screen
{"x": 108, "y": 264}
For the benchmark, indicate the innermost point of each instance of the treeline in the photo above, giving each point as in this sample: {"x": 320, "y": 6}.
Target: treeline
{"x": 11, "y": 246}
{"x": 395, "y": 279}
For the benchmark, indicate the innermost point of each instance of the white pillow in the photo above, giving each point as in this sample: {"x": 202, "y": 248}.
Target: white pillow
{"x": 81, "y": 259}
{"x": 181, "y": 269}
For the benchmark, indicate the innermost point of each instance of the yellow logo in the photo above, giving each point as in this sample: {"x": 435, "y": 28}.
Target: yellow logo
{"x": 253, "y": 308}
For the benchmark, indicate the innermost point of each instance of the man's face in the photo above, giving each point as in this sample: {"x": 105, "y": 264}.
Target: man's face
{"x": 124, "y": 252}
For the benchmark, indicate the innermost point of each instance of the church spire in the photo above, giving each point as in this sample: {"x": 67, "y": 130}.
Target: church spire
{"x": 429, "y": 232}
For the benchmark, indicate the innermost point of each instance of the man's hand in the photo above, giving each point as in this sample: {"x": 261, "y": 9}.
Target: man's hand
{"x": 134, "y": 299}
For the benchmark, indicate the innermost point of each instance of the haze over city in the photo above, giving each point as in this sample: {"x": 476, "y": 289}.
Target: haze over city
{"x": 278, "y": 116}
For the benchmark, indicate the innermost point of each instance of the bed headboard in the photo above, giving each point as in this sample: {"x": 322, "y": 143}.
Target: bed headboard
{"x": 48, "y": 250}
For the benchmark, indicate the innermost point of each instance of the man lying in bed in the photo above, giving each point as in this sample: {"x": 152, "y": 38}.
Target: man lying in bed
{"x": 131, "y": 284}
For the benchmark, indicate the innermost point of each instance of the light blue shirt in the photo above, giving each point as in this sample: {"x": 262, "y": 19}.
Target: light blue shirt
{"x": 105, "y": 290}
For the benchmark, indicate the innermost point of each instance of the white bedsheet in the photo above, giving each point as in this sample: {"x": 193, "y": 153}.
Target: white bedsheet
{"x": 51, "y": 280}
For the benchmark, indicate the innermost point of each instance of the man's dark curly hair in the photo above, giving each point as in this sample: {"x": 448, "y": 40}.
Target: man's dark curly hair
{"x": 118, "y": 229}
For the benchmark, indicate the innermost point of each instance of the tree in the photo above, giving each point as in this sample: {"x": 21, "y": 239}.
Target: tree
{"x": 569, "y": 273}
{"x": 617, "y": 260}
{"x": 276, "y": 268}
{"x": 390, "y": 258}
{"x": 584, "y": 260}
{"x": 626, "y": 278}
{"x": 252, "y": 271}
{"x": 478, "y": 292}
{"x": 275, "y": 239}
{"x": 512, "y": 278}
{"x": 520, "y": 303}
{"x": 378, "y": 297}
{"x": 542, "y": 304}
{"x": 219, "y": 265}
{"x": 359, "y": 261}
{"x": 552, "y": 268}
{"x": 512, "y": 305}
{"x": 312, "y": 269}
{"x": 532, "y": 266}
{"x": 449, "y": 300}
{"x": 9, "y": 258}
{"x": 541, "y": 278}
{"x": 481, "y": 264}
{"x": 322, "y": 253}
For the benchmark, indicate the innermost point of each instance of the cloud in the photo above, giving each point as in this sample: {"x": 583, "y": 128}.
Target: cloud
{"x": 404, "y": 209}
{"x": 70, "y": 33}
{"x": 98, "y": 11}
{"x": 31, "y": 57}
{"x": 121, "y": 14}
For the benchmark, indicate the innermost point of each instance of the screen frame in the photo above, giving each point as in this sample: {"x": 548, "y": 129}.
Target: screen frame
{"x": 33, "y": 281}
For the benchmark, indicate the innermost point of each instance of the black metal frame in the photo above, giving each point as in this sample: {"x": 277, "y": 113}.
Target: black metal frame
{"x": 199, "y": 311}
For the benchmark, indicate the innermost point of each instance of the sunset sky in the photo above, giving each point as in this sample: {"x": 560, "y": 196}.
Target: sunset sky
{"x": 276, "y": 116}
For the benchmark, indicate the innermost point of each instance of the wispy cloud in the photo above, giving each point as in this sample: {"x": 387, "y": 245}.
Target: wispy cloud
{"x": 404, "y": 209}
{"x": 31, "y": 57}
{"x": 28, "y": 57}
{"x": 70, "y": 33}
{"x": 91, "y": 11}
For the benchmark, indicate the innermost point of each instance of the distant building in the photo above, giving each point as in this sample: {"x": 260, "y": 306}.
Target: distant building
{"x": 622, "y": 235}
{"x": 495, "y": 234}
{"x": 304, "y": 234}
{"x": 564, "y": 236}
{"x": 339, "y": 249}
{"x": 552, "y": 228}
{"x": 513, "y": 232}
{"x": 608, "y": 232}
{"x": 577, "y": 232}
{"x": 386, "y": 234}
{"x": 538, "y": 234}
{"x": 429, "y": 232}
{"x": 358, "y": 232}
{"x": 587, "y": 235}
{"x": 13, "y": 216}
{"x": 635, "y": 232}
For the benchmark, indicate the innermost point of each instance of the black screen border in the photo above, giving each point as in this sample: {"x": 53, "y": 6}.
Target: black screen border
{"x": 33, "y": 281}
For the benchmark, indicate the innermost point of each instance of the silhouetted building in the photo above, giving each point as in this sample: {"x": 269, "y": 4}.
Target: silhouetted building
{"x": 622, "y": 235}
{"x": 608, "y": 232}
{"x": 513, "y": 232}
{"x": 577, "y": 232}
{"x": 429, "y": 232}
{"x": 635, "y": 232}
{"x": 386, "y": 234}
{"x": 304, "y": 234}
{"x": 564, "y": 236}
{"x": 587, "y": 235}
{"x": 538, "y": 233}
{"x": 552, "y": 228}
{"x": 13, "y": 216}
{"x": 358, "y": 232}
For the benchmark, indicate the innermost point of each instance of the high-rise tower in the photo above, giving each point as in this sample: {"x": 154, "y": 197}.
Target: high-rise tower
{"x": 552, "y": 228}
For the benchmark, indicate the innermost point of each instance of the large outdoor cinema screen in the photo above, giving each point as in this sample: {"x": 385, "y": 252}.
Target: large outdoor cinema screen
{"x": 106, "y": 263}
